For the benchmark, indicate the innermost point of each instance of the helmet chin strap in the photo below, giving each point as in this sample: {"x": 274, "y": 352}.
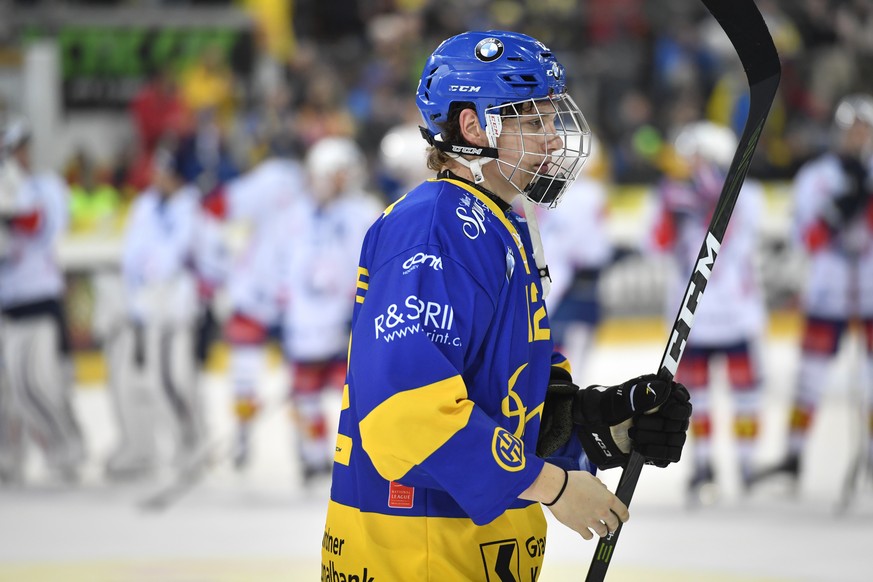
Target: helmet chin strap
{"x": 533, "y": 226}
{"x": 474, "y": 165}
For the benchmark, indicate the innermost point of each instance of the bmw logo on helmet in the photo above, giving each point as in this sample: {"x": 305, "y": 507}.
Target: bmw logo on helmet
{"x": 489, "y": 49}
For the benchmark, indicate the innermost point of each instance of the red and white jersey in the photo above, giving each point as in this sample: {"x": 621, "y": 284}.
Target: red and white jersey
{"x": 265, "y": 190}
{"x": 575, "y": 235}
{"x": 733, "y": 307}
{"x": 260, "y": 198}
{"x": 29, "y": 269}
{"x": 320, "y": 273}
{"x": 839, "y": 279}
{"x": 156, "y": 260}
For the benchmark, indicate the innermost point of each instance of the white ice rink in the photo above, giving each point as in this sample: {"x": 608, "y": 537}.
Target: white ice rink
{"x": 262, "y": 525}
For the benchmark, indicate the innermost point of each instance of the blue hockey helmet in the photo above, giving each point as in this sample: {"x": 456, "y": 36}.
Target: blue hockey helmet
{"x": 505, "y": 74}
{"x": 487, "y": 69}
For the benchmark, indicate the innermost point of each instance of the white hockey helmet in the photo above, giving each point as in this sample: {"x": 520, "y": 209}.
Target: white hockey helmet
{"x": 853, "y": 124}
{"x": 710, "y": 141}
{"x": 853, "y": 108}
{"x": 331, "y": 157}
{"x": 403, "y": 154}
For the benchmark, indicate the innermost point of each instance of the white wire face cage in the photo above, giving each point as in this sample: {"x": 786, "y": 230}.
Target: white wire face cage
{"x": 552, "y": 142}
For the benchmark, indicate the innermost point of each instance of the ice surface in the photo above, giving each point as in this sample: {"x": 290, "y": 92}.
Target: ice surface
{"x": 263, "y": 525}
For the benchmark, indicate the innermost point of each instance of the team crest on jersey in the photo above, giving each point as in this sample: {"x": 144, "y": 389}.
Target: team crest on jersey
{"x": 510, "y": 263}
{"x": 508, "y": 450}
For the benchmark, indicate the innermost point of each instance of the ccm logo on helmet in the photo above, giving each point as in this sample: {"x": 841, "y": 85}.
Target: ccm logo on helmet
{"x": 464, "y": 88}
{"x": 459, "y": 149}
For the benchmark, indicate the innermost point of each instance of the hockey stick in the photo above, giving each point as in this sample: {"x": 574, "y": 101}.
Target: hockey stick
{"x": 860, "y": 459}
{"x": 211, "y": 454}
{"x": 745, "y": 27}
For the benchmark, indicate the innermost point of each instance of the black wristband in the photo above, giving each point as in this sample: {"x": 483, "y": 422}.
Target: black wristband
{"x": 561, "y": 492}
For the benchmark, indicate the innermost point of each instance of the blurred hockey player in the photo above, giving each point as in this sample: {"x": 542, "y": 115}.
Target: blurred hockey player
{"x": 579, "y": 249}
{"x": 153, "y": 376}
{"x": 255, "y": 201}
{"x": 37, "y": 389}
{"x": 833, "y": 221}
{"x": 402, "y": 158}
{"x": 458, "y": 418}
{"x": 730, "y": 323}
{"x": 320, "y": 263}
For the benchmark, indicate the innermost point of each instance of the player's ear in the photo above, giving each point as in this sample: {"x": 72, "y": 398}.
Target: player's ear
{"x": 471, "y": 131}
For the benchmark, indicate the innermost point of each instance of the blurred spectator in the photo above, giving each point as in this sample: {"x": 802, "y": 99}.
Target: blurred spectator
{"x": 636, "y": 139}
{"x": 322, "y": 112}
{"x": 158, "y": 110}
{"x": 158, "y": 113}
{"x": 208, "y": 87}
{"x": 206, "y": 159}
{"x": 379, "y": 99}
{"x": 95, "y": 204}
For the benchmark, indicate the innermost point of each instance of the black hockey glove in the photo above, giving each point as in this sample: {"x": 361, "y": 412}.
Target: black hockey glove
{"x": 603, "y": 419}
{"x": 848, "y": 204}
{"x": 659, "y": 435}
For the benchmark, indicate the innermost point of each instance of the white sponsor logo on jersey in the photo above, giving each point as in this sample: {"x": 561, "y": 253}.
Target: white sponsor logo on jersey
{"x": 418, "y": 259}
{"x": 436, "y": 320}
{"x": 473, "y": 217}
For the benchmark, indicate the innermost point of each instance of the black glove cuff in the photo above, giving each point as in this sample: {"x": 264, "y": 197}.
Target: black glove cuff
{"x": 556, "y": 421}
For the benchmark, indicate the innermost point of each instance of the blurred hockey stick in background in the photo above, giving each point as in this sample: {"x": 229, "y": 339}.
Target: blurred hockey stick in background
{"x": 212, "y": 453}
{"x": 860, "y": 460}
{"x": 745, "y": 27}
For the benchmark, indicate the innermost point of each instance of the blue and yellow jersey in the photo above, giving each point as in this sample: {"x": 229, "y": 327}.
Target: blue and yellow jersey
{"x": 449, "y": 359}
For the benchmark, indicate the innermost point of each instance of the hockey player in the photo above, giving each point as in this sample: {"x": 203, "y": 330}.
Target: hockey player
{"x": 152, "y": 358}
{"x": 729, "y": 325}
{"x": 579, "y": 250}
{"x": 452, "y": 381}
{"x": 38, "y": 383}
{"x": 833, "y": 221}
{"x": 256, "y": 200}
{"x": 402, "y": 155}
{"x": 319, "y": 264}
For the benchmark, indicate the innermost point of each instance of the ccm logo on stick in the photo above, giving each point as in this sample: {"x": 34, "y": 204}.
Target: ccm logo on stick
{"x": 702, "y": 272}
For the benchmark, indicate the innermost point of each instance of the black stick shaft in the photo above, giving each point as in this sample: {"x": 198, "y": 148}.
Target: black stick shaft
{"x": 748, "y": 33}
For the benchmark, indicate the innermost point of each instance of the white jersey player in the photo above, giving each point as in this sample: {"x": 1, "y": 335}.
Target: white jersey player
{"x": 36, "y": 392}
{"x": 152, "y": 365}
{"x": 403, "y": 159}
{"x": 319, "y": 267}
{"x": 730, "y": 321}
{"x": 578, "y": 248}
{"x": 833, "y": 212}
{"x": 255, "y": 200}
